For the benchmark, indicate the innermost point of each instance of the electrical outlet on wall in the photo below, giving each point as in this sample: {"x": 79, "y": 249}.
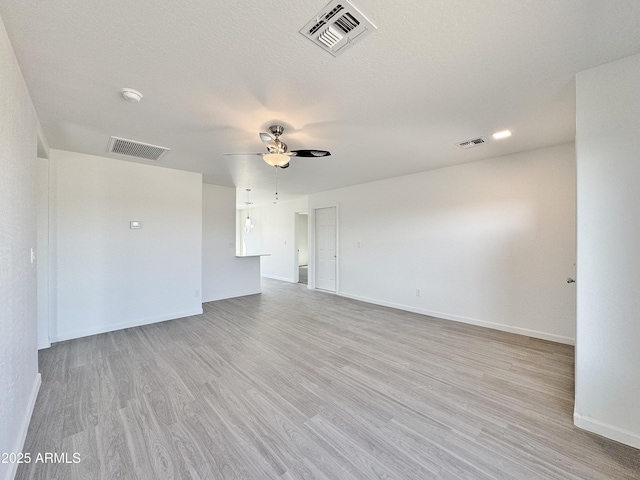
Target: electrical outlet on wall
{"x": 196, "y": 293}
{"x": 417, "y": 292}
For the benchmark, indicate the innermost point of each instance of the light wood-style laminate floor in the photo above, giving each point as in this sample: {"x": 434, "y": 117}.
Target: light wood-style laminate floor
{"x": 300, "y": 384}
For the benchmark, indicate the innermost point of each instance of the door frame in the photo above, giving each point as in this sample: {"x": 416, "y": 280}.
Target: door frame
{"x": 42, "y": 248}
{"x": 312, "y": 245}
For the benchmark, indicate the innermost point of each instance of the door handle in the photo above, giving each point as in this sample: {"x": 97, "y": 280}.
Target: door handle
{"x": 571, "y": 280}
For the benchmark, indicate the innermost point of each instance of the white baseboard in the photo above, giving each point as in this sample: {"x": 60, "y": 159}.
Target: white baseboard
{"x": 609, "y": 431}
{"x": 24, "y": 425}
{"x": 274, "y": 277}
{"x": 111, "y": 327}
{"x": 471, "y": 321}
{"x": 234, "y": 295}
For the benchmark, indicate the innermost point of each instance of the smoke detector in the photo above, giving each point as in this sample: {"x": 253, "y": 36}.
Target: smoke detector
{"x": 131, "y": 95}
{"x": 337, "y": 26}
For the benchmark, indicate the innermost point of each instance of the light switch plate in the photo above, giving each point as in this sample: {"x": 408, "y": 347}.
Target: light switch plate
{"x": 135, "y": 224}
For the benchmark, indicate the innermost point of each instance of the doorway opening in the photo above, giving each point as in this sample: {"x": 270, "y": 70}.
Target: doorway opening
{"x": 302, "y": 251}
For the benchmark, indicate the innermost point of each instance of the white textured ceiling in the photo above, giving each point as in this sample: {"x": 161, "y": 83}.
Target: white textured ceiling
{"x": 214, "y": 74}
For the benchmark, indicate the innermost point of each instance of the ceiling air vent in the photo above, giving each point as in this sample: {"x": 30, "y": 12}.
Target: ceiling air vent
{"x": 337, "y": 26}
{"x": 472, "y": 143}
{"x": 131, "y": 148}
{"x": 329, "y": 37}
{"x": 347, "y": 22}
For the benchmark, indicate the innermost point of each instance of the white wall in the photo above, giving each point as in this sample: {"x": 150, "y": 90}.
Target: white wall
{"x": 274, "y": 232}
{"x": 42, "y": 209}
{"x": 608, "y": 179}
{"x": 52, "y": 260}
{"x": 489, "y": 243}
{"x": 19, "y": 377}
{"x": 108, "y": 275}
{"x": 240, "y": 219}
{"x": 224, "y": 275}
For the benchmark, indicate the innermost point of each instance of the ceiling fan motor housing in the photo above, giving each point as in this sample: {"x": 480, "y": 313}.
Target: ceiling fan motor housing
{"x": 277, "y": 146}
{"x": 276, "y": 130}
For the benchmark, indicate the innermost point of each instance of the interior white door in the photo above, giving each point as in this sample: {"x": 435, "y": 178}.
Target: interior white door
{"x": 326, "y": 252}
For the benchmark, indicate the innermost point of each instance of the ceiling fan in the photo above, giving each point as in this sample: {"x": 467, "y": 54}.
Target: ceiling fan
{"x": 278, "y": 154}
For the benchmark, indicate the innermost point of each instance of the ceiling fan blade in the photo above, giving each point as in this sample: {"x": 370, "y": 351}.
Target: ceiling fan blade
{"x": 265, "y": 137}
{"x": 310, "y": 153}
{"x": 261, "y": 154}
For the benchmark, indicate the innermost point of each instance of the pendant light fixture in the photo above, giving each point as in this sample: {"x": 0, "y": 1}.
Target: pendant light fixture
{"x": 248, "y": 224}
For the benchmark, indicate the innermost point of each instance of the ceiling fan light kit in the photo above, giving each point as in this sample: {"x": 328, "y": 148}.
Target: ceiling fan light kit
{"x": 278, "y": 154}
{"x": 276, "y": 159}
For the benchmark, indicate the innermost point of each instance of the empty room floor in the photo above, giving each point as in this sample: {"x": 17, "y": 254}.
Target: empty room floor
{"x": 296, "y": 383}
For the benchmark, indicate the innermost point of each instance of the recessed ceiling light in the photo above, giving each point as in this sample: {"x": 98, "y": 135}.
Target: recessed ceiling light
{"x": 501, "y": 135}
{"x": 131, "y": 95}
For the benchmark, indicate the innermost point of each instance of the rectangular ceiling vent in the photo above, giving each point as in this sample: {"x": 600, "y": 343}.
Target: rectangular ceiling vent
{"x": 337, "y": 26}
{"x": 472, "y": 143}
{"x": 131, "y": 148}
